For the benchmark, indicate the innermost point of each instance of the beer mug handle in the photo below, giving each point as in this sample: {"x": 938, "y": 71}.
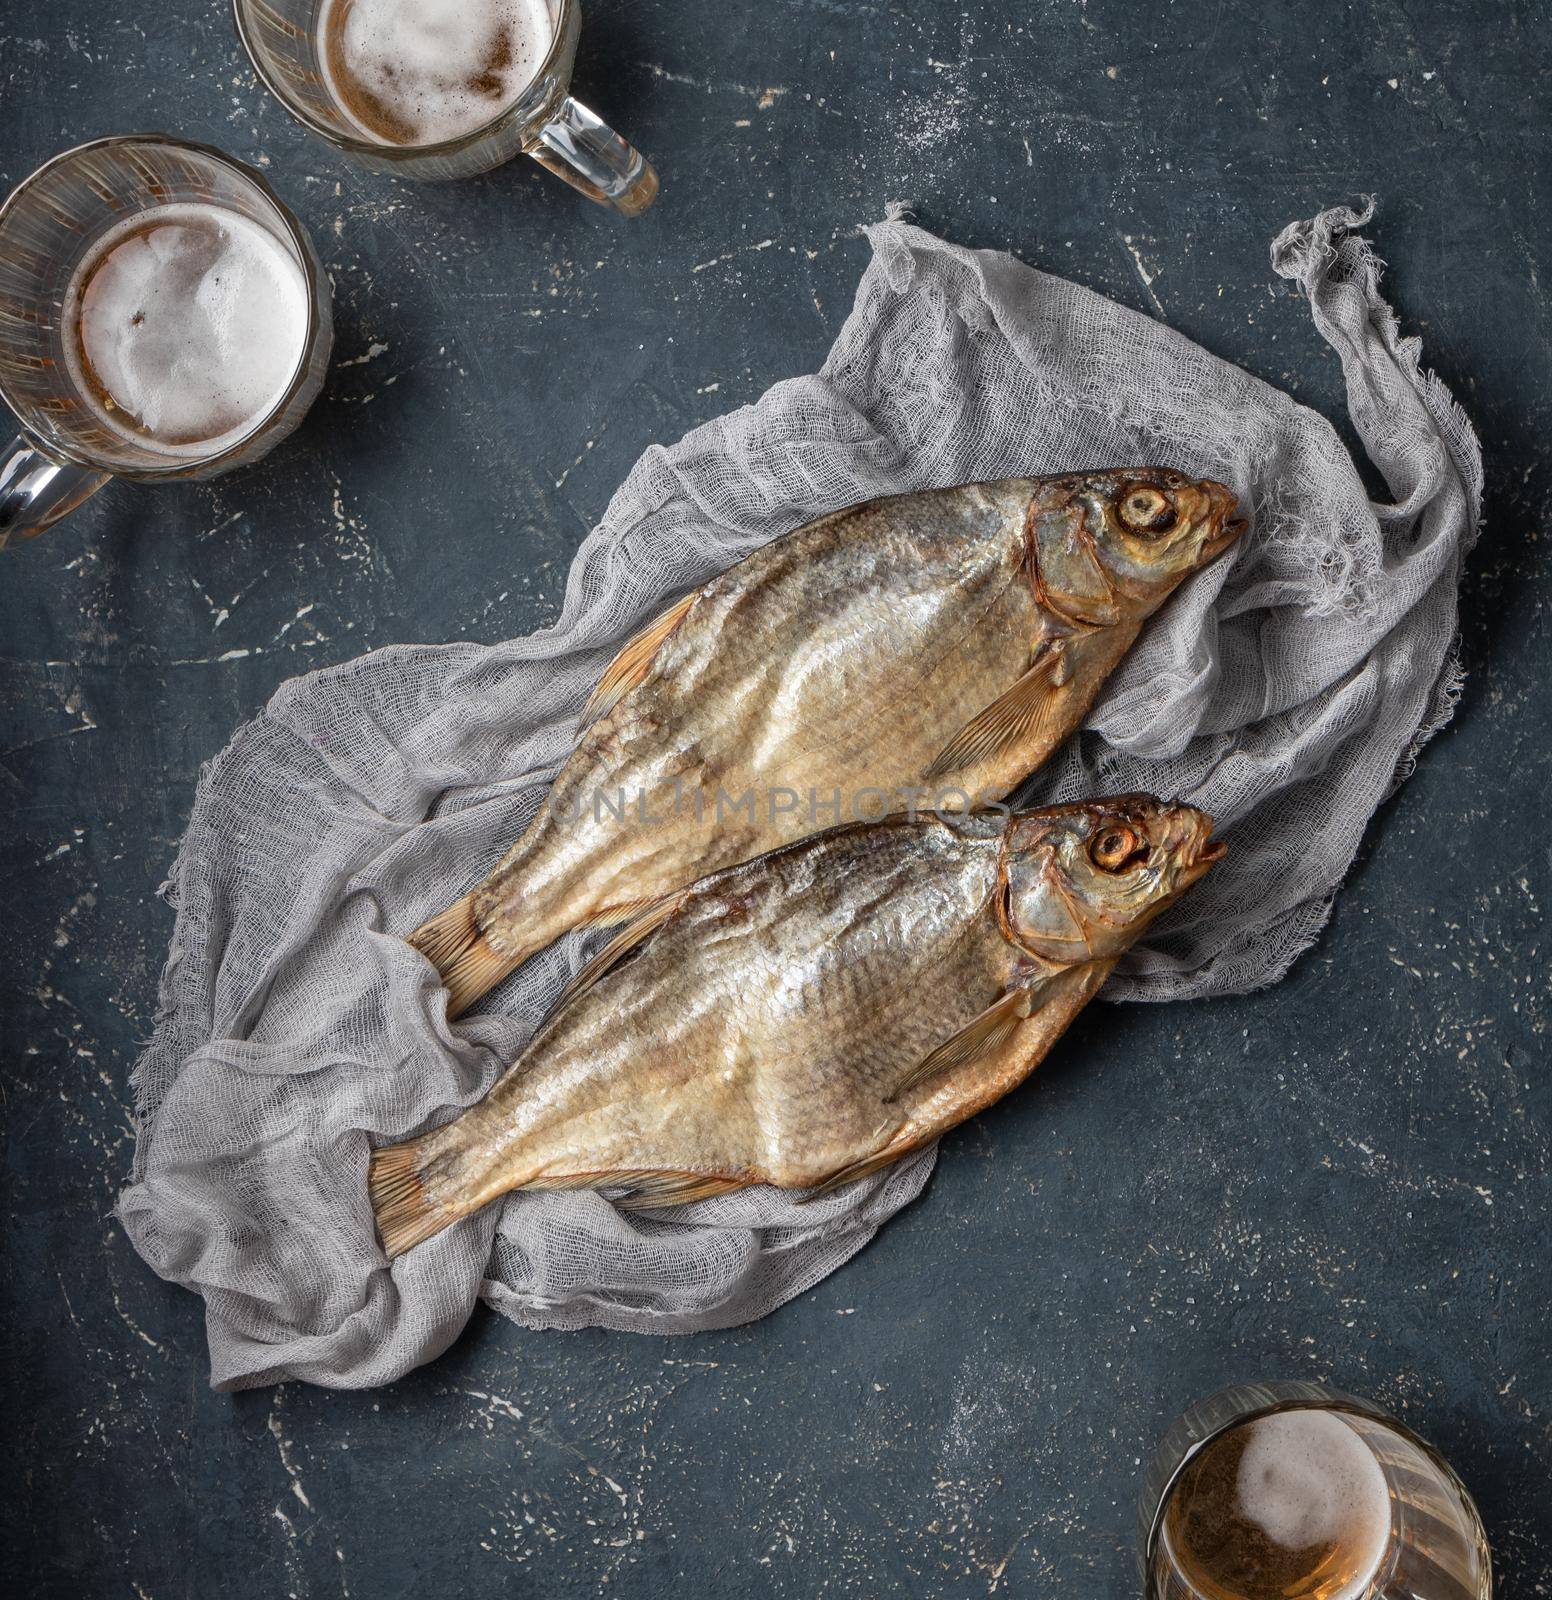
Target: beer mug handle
{"x": 584, "y": 150}
{"x": 36, "y": 490}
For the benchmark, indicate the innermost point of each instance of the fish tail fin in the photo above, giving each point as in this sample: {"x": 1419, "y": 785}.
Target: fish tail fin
{"x": 455, "y": 944}
{"x": 403, "y": 1191}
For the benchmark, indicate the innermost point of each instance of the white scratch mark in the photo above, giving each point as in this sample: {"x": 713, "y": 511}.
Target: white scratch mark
{"x": 373, "y": 351}
{"x": 1142, "y": 272}
{"x": 226, "y": 655}
{"x": 134, "y": 1327}
{"x": 747, "y": 249}
{"x": 283, "y": 1445}
{"x": 764, "y": 98}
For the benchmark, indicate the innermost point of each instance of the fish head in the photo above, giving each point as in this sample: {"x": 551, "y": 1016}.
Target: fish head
{"x": 1111, "y": 545}
{"x": 1082, "y": 881}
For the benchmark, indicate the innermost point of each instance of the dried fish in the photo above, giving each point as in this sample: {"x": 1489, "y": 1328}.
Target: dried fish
{"x": 939, "y": 644}
{"x": 808, "y": 1017}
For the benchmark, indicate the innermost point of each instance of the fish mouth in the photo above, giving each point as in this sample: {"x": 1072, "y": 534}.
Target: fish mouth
{"x": 1202, "y": 855}
{"x": 1229, "y": 533}
{"x": 1192, "y": 846}
{"x": 1224, "y": 503}
{"x": 1207, "y": 523}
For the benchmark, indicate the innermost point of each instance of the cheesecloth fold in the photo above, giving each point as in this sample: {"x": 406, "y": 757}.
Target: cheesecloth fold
{"x": 1285, "y": 689}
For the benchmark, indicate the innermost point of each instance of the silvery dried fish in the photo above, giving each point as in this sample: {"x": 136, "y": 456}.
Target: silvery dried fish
{"x": 941, "y": 641}
{"x": 810, "y": 1016}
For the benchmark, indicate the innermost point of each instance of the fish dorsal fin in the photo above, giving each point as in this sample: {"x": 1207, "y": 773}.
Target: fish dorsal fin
{"x": 640, "y": 928}
{"x": 1011, "y": 719}
{"x": 631, "y": 665}
{"x": 982, "y": 1036}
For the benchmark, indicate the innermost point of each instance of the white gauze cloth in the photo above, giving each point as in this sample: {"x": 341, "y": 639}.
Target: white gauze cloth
{"x": 1286, "y": 689}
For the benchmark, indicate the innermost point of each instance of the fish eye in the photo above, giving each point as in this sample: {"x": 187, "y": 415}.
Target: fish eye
{"x": 1117, "y": 847}
{"x": 1144, "y": 509}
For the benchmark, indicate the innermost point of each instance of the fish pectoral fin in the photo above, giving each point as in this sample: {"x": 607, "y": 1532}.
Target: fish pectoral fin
{"x": 1011, "y": 719}
{"x": 635, "y": 932}
{"x": 982, "y": 1036}
{"x": 633, "y": 662}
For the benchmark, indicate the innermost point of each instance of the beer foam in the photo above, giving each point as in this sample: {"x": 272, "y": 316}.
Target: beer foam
{"x": 430, "y": 70}
{"x": 1307, "y": 1478}
{"x": 191, "y": 322}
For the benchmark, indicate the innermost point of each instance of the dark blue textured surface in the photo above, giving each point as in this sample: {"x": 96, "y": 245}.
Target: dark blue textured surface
{"x": 1345, "y": 1177}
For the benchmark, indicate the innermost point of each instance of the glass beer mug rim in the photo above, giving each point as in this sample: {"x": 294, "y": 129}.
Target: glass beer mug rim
{"x": 519, "y": 111}
{"x": 296, "y": 239}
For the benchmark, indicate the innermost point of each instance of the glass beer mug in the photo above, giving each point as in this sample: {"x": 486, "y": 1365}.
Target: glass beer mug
{"x": 162, "y": 316}
{"x": 1292, "y": 1491}
{"x": 443, "y": 88}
